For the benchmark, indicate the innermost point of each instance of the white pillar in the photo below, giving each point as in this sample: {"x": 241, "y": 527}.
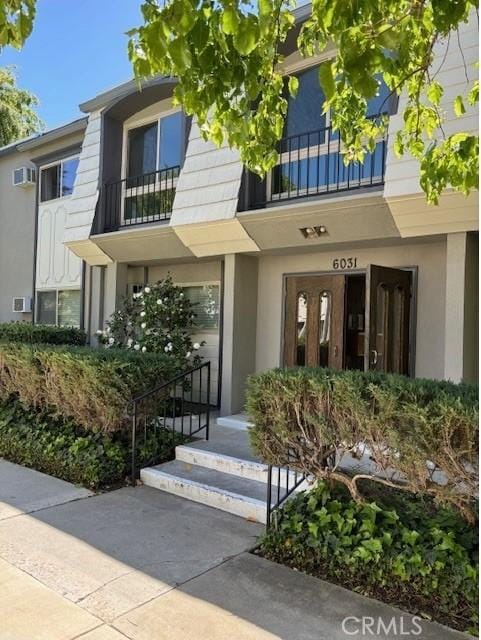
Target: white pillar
{"x": 239, "y": 329}
{"x": 115, "y": 287}
{"x": 460, "y": 347}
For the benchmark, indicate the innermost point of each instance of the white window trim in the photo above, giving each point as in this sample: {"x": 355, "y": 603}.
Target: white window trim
{"x": 56, "y": 291}
{"x": 133, "y": 191}
{"x": 47, "y": 166}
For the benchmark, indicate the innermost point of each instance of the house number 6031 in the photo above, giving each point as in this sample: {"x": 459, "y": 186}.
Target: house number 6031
{"x": 344, "y": 263}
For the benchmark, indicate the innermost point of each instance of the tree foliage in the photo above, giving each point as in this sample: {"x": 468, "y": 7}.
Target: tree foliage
{"x": 18, "y": 118}
{"x": 16, "y": 21}
{"x": 228, "y": 59}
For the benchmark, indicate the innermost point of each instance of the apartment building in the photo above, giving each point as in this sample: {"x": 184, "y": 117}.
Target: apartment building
{"x": 318, "y": 264}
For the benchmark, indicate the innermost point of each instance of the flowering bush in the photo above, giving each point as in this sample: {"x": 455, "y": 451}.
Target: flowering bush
{"x": 159, "y": 319}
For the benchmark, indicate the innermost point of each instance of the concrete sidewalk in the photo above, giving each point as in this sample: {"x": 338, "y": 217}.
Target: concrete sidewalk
{"x": 145, "y": 565}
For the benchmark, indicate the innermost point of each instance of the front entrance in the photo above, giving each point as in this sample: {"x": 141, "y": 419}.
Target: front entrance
{"x": 358, "y": 321}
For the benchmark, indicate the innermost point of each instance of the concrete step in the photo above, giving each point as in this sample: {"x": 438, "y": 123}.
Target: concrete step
{"x": 238, "y": 421}
{"x": 225, "y": 491}
{"x": 218, "y": 461}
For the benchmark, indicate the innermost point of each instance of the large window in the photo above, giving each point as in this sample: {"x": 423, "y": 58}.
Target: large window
{"x": 155, "y": 146}
{"x": 59, "y": 307}
{"x": 57, "y": 180}
{"x": 206, "y": 300}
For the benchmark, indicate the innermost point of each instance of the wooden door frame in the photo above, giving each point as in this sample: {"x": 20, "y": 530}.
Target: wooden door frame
{"x": 414, "y": 269}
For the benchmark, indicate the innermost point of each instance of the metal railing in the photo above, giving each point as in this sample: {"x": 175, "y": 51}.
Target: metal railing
{"x": 169, "y": 415}
{"x": 312, "y": 164}
{"x": 139, "y": 199}
{"x": 281, "y": 483}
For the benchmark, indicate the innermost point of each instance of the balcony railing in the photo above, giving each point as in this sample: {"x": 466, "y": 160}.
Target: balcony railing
{"x": 138, "y": 200}
{"x": 312, "y": 164}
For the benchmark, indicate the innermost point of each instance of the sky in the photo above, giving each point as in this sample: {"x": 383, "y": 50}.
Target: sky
{"x": 78, "y": 49}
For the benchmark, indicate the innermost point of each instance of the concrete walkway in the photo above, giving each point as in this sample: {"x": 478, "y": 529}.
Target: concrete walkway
{"x": 145, "y": 565}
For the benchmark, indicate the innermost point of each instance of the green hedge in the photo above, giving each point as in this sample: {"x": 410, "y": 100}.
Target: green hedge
{"x": 41, "y": 334}
{"x": 312, "y": 417}
{"x": 64, "y": 450}
{"x": 93, "y": 387}
{"x": 397, "y": 548}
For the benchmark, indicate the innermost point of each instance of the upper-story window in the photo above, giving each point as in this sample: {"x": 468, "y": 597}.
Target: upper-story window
{"x": 155, "y": 146}
{"x": 57, "y": 180}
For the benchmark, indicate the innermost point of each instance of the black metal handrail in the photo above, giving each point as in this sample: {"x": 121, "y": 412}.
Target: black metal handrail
{"x": 139, "y": 199}
{"x": 312, "y": 164}
{"x": 281, "y": 484}
{"x": 177, "y": 409}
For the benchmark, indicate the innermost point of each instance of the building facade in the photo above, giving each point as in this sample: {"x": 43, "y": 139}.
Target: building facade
{"x": 318, "y": 264}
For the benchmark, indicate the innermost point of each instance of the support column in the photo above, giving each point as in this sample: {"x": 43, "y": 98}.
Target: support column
{"x": 115, "y": 287}
{"x": 461, "y": 329}
{"x": 239, "y": 329}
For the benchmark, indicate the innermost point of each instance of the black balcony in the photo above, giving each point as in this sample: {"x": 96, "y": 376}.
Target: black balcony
{"x": 137, "y": 200}
{"x": 312, "y": 164}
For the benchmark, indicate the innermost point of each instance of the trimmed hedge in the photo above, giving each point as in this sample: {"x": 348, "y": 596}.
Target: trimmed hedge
{"x": 64, "y": 450}
{"x": 91, "y": 386}
{"x": 41, "y": 334}
{"x": 397, "y": 548}
{"x": 311, "y": 418}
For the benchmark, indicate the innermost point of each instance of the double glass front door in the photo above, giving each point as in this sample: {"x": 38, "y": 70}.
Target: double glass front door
{"x": 349, "y": 321}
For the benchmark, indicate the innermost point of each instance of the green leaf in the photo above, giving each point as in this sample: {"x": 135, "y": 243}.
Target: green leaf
{"x": 180, "y": 53}
{"x": 230, "y": 21}
{"x": 434, "y": 93}
{"x": 246, "y": 38}
{"x": 293, "y": 85}
{"x": 458, "y": 106}
{"x": 326, "y": 78}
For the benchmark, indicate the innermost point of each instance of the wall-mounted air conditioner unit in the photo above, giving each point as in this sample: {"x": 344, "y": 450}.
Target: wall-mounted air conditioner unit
{"x": 23, "y": 177}
{"x": 22, "y": 304}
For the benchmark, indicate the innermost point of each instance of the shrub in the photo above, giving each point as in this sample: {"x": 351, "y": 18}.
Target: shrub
{"x": 63, "y": 449}
{"x": 158, "y": 319}
{"x": 421, "y": 434}
{"x": 91, "y": 386}
{"x": 395, "y": 547}
{"x": 41, "y": 334}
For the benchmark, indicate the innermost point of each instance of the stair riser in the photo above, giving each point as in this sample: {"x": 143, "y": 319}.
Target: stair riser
{"x": 226, "y": 464}
{"x": 237, "y": 505}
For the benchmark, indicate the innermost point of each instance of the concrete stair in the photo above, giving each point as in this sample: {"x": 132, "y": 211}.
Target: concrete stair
{"x": 222, "y": 473}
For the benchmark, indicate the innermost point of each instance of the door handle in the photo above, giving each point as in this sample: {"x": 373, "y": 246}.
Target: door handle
{"x": 374, "y": 354}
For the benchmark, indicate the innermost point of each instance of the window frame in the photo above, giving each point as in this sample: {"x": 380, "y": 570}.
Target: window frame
{"x": 129, "y": 192}
{"x": 57, "y": 291}
{"x": 205, "y": 283}
{"x": 48, "y": 165}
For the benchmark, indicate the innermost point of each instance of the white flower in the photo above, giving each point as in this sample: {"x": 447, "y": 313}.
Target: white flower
{"x": 181, "y": 295}
{"x": 136, "y": 295}
{"x": 144, "y": 349}
{"x": 196, "y": 346}
{"x": 147, "y": 290}
{"x": 111, "y": 341}
{"x": 137, "y": 347}
{"x": 143, "y": 325}
{"x": 142, "y": 314}
{"x": 159, "y": 301}
{"x": 129, "y": 342}
{"x": 108, "y": 329}
{"x": 188, "y": 354}
{"x": 170, "y": 346}
{"x": 166, "y": 349}
{"x": 99, "y": 332}
{"x": 166, "y": 299}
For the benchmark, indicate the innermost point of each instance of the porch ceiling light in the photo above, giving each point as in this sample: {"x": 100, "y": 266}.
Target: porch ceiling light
{"x": 313, "y": 232}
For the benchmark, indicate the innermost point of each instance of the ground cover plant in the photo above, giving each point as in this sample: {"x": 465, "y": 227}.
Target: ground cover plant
{"x": 393, "y": 546}
{"x": 63, "y": 449}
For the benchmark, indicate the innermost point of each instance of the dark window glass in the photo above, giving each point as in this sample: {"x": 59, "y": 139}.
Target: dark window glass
{"x": 46, "y": 307}
{"x": 50, "y": 183}
{"x": 380, "y": 103}
{"x": 171, "y": 138}
{"x": 69, "y": 171}
{"x": 142, "y": 150}
{"x": 304, "y": 112}
{"x": 69, "y": 308}
{"x": 301, "y": 329}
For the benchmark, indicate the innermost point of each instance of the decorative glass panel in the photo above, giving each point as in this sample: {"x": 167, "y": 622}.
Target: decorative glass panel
{"x": 171, "y": 139}
{"x": 301, "y": 329}
{"x": 46, "y": 307}
{"x": 142, "y": 150}
{"x": 69, "y": 308}
{"x": 206, "y": 299}
{"x": 324, "y": 328}
{"x": 50, "y": 183}
{"x": 69, "y": 171}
